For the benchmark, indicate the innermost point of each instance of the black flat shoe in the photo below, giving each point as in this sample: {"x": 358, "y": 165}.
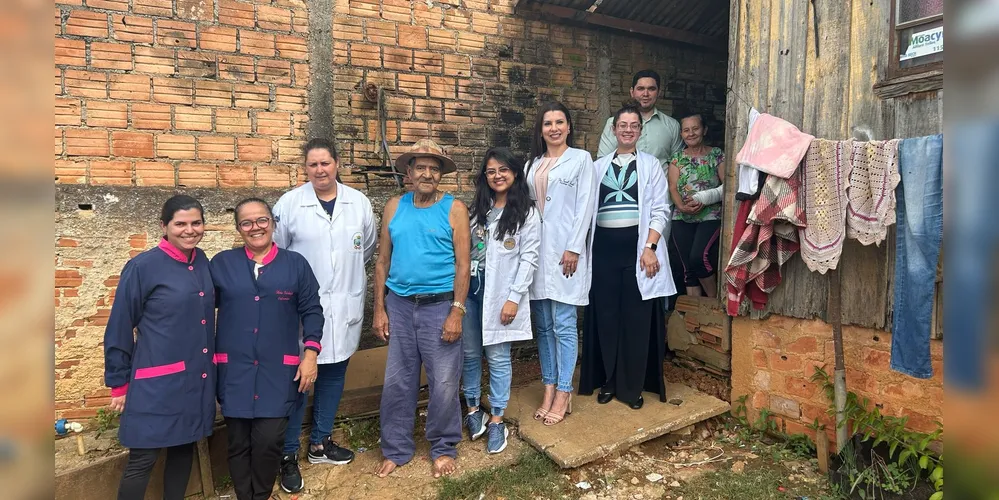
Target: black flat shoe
{"x": 605, "y": 397}
{"x": 637, "y": 405}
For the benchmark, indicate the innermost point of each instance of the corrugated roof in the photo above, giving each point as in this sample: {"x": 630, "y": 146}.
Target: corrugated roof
{"x": 697, "y": 22}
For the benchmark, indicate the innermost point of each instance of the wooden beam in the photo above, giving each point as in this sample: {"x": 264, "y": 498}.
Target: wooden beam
{"x": 713, "y": 43}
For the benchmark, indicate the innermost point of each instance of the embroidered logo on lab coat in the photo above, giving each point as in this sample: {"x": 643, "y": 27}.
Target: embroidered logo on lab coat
{"x": 357, "y": 241}
{"x": 509, "y": 243}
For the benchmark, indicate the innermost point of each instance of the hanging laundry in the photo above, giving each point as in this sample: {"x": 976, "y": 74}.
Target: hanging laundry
{"x": 917, "y": 250}
{"x": 769, "y": 240}
{"x": 824, "y": 178}
{"x": 873, "y": 178}
{"x": 774, "y": 146}
{"x": 757, "y": 298}
{"x": 749, "y": 177}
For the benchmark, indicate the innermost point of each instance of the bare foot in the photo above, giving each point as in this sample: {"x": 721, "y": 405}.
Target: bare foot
{"x": 386, "y": 468}
{"x": 444, "y": 466}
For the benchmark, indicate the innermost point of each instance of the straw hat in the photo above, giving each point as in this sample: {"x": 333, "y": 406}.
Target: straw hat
{"x": 425, "y": 148}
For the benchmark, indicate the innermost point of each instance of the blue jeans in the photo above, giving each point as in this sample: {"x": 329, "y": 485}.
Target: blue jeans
{"x": 329, "y": 388}
{"x": 558, "y": 342}
{"x": 497, "y": 355}
{"x": 919, "y": 230}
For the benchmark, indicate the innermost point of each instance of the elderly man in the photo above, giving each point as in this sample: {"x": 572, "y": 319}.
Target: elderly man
{"x": 660, "y": 132}
{"x": 423, "y": 260}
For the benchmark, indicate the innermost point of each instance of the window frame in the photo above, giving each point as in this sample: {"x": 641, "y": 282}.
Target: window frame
{"x": 894, "y": 67}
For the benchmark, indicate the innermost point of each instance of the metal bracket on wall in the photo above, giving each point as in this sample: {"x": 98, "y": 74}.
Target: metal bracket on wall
{"x": 376, "y": 94}
{"x": 815, "y": 25}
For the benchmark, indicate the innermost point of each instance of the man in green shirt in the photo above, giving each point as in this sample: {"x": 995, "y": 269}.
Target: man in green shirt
{"x": 660, "y": 132}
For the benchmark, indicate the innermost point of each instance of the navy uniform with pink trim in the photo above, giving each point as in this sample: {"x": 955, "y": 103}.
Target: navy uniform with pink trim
{"x": 166, "y": 368}
{"x": 257, "y": 345}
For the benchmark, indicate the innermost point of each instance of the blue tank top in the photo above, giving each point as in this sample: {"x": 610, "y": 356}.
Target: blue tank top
{"x": 422, "y": 248}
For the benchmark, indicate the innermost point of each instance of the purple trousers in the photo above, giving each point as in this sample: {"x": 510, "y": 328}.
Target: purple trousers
{"x": 415, "y": 339}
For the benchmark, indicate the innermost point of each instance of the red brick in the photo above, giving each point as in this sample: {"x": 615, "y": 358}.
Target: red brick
{"x": 70, "y": 52}
{"x": 67, "y": 112}
{"x": 427, "y": 15}
{"x": 236, "y": 13}
{"x": 111, "y": 55}
{"x": 804, "y": 345}
{"x": 277, "y": 176}
{"x": 460, "y": 21}
{"x": 289, "y": 99}
{"x": 111, "y": 172}
{"x": 253, "y": 149}
{"x": 786, "y": 362}
{"x": 905, "y": 391}
{"x": 197, "y": 174}
{"x": 397, "y": 59}
{"x": 300, "y": 21}
{"x": 365, "y": 55}
{"x": 413, "y": 37}
{"x": 132, "y": 144}
{"x": 471, "y": 43}
{"x": 292, "y": 47}
{"x": 861, "y": 381}
{"x": 397, "y": 10}
{"x": 196, "y": 10}
{"x": 364, "y": 8}
{"x": 252, "y": 96}
{"x": 876, "y": 359}
{"x": 107, "y": 114}
{"x": 154, "y": 173}
{"x": 176, "y": 33}
{"x": 759, "y": 358}
{"x": 273, "y": 18}
{"x": 208, "y": 93}
{"x": 132, "y": 28}
{"x": 427, "y": 62}
{"x": 274, "y": 124}
{"x": 274, "y": 71}
{"x": 218, "y": 38}
{"x": 79, "y": 413}
{"x": 173, "y": 90}
{"x": 301, "y": 74}
{"x": 86, "y": 84}
{"x": 121, "y": 5}
{"x": 345, "y": 28}
{"x": 196, "y": 64}
{"x": 176, "y": 147}
{"x": 87, "y": 142}
{"x": 70, "y": 172}
{"x": 130, "y": 87}
{"x": 151, "y": 116}
{"x": 410, "y": 132}
{"x": 216, "y": 148}
{"x": 163, "y": 8}
{"x": 380, "y": 32}
{"x": 918, "y": 421}
{"x": 485, "y": 23}
{"x": 190, "y": 118}
{"x": 87, "y": 23}
{"x": 764, "y": 337}
{"x": 289, "y": 151}
{"x": 256, "y": 43}
{"x": 69, "y": 2}
{"x": 232, "y": 176}
{"x": 232, "y": 121}
{"x": 800, "y": 387}
{"x": 760, "y": 400}
{"x": 151, "y": 60}
{"x": 236, "y": 68}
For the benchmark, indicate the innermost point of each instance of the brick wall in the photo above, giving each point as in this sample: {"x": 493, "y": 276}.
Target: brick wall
{"x": 774, "y": 359}
{"x": 212, "y": 96}
{"x": 179, "y": 92}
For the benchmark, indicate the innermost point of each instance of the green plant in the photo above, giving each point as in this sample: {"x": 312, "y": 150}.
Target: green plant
{"x": 909, "y": 449}
{"x": 106, "y": 420}
{"x": 533, "y": 476}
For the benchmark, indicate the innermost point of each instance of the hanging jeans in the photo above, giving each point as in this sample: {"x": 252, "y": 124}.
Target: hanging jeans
{"x": 919, "y": 232}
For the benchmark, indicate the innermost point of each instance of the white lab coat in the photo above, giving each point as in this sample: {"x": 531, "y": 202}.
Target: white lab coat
{"x": 337, "y": 248}
{"x": 510, "y": 265}
{"x": 653, "y": 213}
{"x": 567, "y": 217}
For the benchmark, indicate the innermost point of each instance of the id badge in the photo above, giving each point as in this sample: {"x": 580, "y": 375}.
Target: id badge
{"x": 475, "y": 268}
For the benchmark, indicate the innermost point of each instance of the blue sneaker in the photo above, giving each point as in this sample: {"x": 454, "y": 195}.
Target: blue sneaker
{"x": 476, "y": 423}
{"x": 496, "y": 442}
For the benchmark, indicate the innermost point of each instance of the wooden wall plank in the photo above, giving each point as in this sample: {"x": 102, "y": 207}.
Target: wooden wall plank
{"x": 736, "y": 112}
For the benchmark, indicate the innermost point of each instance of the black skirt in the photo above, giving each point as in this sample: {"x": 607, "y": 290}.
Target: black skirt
{"x": 624, "y": 337}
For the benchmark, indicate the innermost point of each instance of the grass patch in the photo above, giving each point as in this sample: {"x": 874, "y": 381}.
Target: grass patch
{"x": 532, "y": 476}
{"x": 757, "y": 484}
{"x": 362, "y": 433}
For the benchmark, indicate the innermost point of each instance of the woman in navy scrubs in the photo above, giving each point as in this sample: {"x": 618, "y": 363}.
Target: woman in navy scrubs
{"x": 162, "y": 377}
{"x": 264, "y": 294}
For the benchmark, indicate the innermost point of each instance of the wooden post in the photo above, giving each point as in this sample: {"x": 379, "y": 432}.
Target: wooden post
{"x": 822, "y": 450}
{"x": 205, "y": 462}
{"x": 839, "y": 375}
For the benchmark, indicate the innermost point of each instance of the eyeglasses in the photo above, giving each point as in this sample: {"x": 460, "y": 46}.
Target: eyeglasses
{"x": 629, "y": 126}
{"x": 501, "y": 171}
{"x": 262, "y": 223}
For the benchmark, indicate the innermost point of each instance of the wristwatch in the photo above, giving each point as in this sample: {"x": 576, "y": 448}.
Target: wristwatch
{"x": 651, "y": 246}
{"x": 460, "y": 306}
